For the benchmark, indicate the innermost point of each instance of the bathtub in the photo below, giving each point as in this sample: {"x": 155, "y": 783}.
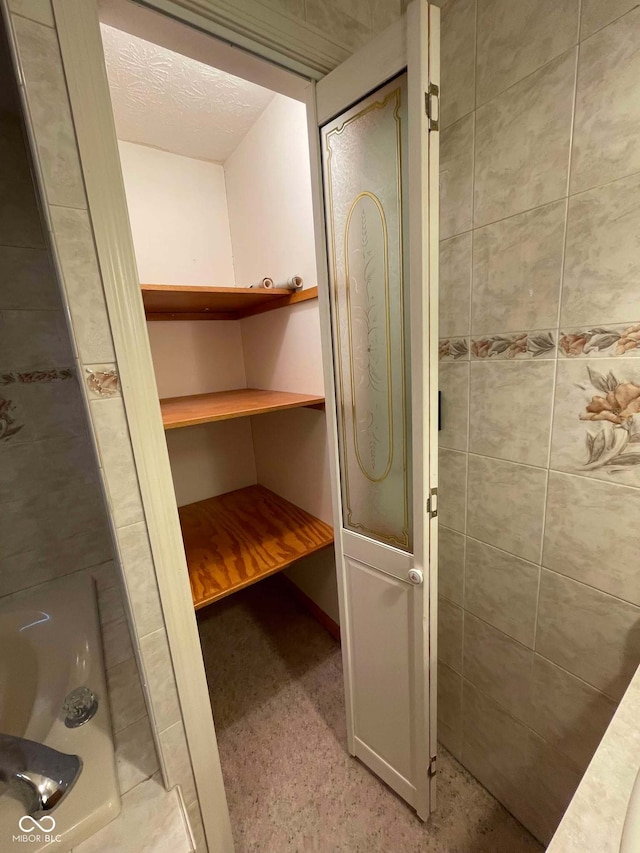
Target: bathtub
{"x": 50, "y": 644}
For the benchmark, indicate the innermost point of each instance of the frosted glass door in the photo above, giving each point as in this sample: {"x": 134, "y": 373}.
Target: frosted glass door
{"x": 363, "y": 151}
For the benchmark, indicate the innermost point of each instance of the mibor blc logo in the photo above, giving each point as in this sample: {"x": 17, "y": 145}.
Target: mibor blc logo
{"x": 37, "y": 831}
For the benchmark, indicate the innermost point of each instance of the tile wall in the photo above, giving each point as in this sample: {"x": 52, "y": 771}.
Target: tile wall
{"x": 53, "y": 519}
{"x": 540, "y": 378}
{"x": 147, "y": 717}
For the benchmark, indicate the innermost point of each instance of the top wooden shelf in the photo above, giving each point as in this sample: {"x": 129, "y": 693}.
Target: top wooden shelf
{"x": 192, "y": 302}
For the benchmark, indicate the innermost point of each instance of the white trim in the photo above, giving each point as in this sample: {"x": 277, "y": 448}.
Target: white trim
{"x": 81, "y": 47}
{"x": 292, "y": 43}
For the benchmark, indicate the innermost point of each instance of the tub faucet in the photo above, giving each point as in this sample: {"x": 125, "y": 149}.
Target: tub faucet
{"x": 40, "y": 776}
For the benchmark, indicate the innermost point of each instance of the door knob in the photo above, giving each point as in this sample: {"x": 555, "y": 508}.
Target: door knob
{"x": 415, "y": 576}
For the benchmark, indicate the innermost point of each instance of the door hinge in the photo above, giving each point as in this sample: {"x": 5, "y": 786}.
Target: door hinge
{"x": 432, "y": 504}
{"x": 432, "y": 106}
{"x": 432, "y": 766}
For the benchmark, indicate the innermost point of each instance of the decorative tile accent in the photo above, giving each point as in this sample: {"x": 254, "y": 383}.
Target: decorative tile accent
{"x": 522, "y": 143}
{"x": 32, "y": 376}
{"x": 596, "y": 427}
{"x": 519, "y": 345}
{"x": 453, "y": 349}
{"x": 103, "y": 383}
{"x": 9, "y": 426}
{"x": 601, "y": 341}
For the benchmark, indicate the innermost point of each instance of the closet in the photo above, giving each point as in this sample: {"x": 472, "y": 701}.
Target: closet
{"x": 216, "y": 172}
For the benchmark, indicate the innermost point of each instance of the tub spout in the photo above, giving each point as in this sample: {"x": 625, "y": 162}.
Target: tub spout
{"x": 40, "y": 776}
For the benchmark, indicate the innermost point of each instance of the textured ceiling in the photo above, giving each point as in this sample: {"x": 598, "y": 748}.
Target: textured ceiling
{"x": 170, "y": 101}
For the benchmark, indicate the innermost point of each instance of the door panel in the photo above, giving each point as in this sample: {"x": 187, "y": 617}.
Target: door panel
{"x": 363, "y": 150}
{"x": 379, "y": 209}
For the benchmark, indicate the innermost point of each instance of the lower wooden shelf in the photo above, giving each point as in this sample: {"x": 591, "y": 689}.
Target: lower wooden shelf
{"x": 238, "y": 538}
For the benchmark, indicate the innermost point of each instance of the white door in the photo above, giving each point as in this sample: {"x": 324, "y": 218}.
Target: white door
{"x": 377, "y": 151}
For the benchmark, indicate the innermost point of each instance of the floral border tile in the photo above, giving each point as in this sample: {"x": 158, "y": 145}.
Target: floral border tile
{"x": 103, "y": 381}
{"x": 518, "y": 345}
{"x": 453, "y": 349}
{"x": 603, "y": 341}
{"x": 617, "y": 444}
{"x": 33, "y": 376}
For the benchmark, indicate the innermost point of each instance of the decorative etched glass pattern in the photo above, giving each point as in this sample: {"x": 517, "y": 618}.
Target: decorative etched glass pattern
{"x": 363, "y": 153}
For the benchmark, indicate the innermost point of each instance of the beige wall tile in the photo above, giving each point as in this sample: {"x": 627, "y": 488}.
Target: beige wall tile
{"x": 114, "y": 444}
{"x": 515, "y": 39}
{"x": 27, "y": 278}
{"x": 349, "y": 27}
{"x": 160, "y": 679}
{"x": 450, "y": 564}
{"x": 47, "y": 410}
{"x": 522, "y": 143}
{"x": 457, "y": 60}
{"x": 125, "y": 695}
{"x": 29, "y": 468}
{"x": 517, "y": 270}
{"x": 136, "y": 758}
{"x": 454, "y": 413}
{"x": 551, "y": 782}
{"x": 598, "y": 13}
{"x": 497, "y": 665}
{"x": 502, "y": 590}
{"x": 139, "y": 571}
{"x": 452, "y": 488}
{"x": 33, "y": 340}
{"x": 19, "y": 216}
{"x": 178, "y": 762}
{"x": 510, "y": 410}
{"x": 506, "y": 505}
{"x": 455, "y": 285}
{"x": 450, "y": 634}
{"x": 195, "y": 820}
{"x": 589, "y": 633}
{"x": 602, "y": 266}
{"x": 607, "y": 107}
{"x": 116, "y": 642}
{"x": 37, "y": 10}
{"x": 384, "y": 13}
{"x": 450, "y": 709}
{"x": 456, "y": 177}
{"x": 49, "y": 109}
{"x": 494, "y": 746}
{"x": 82, "y": 284}
{"x": 591, "y": 534}
{"x": 568, "y": 713}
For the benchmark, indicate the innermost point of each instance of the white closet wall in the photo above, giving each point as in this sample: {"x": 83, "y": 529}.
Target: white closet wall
{"x": 269, "y": 197}
{"x": 179, "y": 221}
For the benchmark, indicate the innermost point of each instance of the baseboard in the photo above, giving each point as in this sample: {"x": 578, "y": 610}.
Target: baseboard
{"x": 309, "y": 604}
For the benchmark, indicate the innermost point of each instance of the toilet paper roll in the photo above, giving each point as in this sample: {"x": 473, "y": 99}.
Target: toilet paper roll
{"x": 293, "y": 283}
{"x": 266, "y": 282}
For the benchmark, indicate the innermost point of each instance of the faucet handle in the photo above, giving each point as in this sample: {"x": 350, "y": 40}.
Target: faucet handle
{"x": 79, "y": 707}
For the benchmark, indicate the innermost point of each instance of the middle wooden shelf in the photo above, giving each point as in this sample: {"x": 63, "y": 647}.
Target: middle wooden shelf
{"x": 223, "y": 405}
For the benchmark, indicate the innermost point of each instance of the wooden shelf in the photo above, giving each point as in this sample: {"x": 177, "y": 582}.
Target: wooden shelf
{"x": 236, "y": 539}
{"x": 191, "y": 302}
{"x": 224, "y": 405}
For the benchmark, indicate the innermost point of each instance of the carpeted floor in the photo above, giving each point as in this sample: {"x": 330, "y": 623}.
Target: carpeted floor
{"x": 275, "y": 679}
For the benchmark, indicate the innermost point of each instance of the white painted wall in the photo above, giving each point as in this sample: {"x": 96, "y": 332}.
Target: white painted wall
{"x": 178, "y": 212}
{"x": 269, "y": 196}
